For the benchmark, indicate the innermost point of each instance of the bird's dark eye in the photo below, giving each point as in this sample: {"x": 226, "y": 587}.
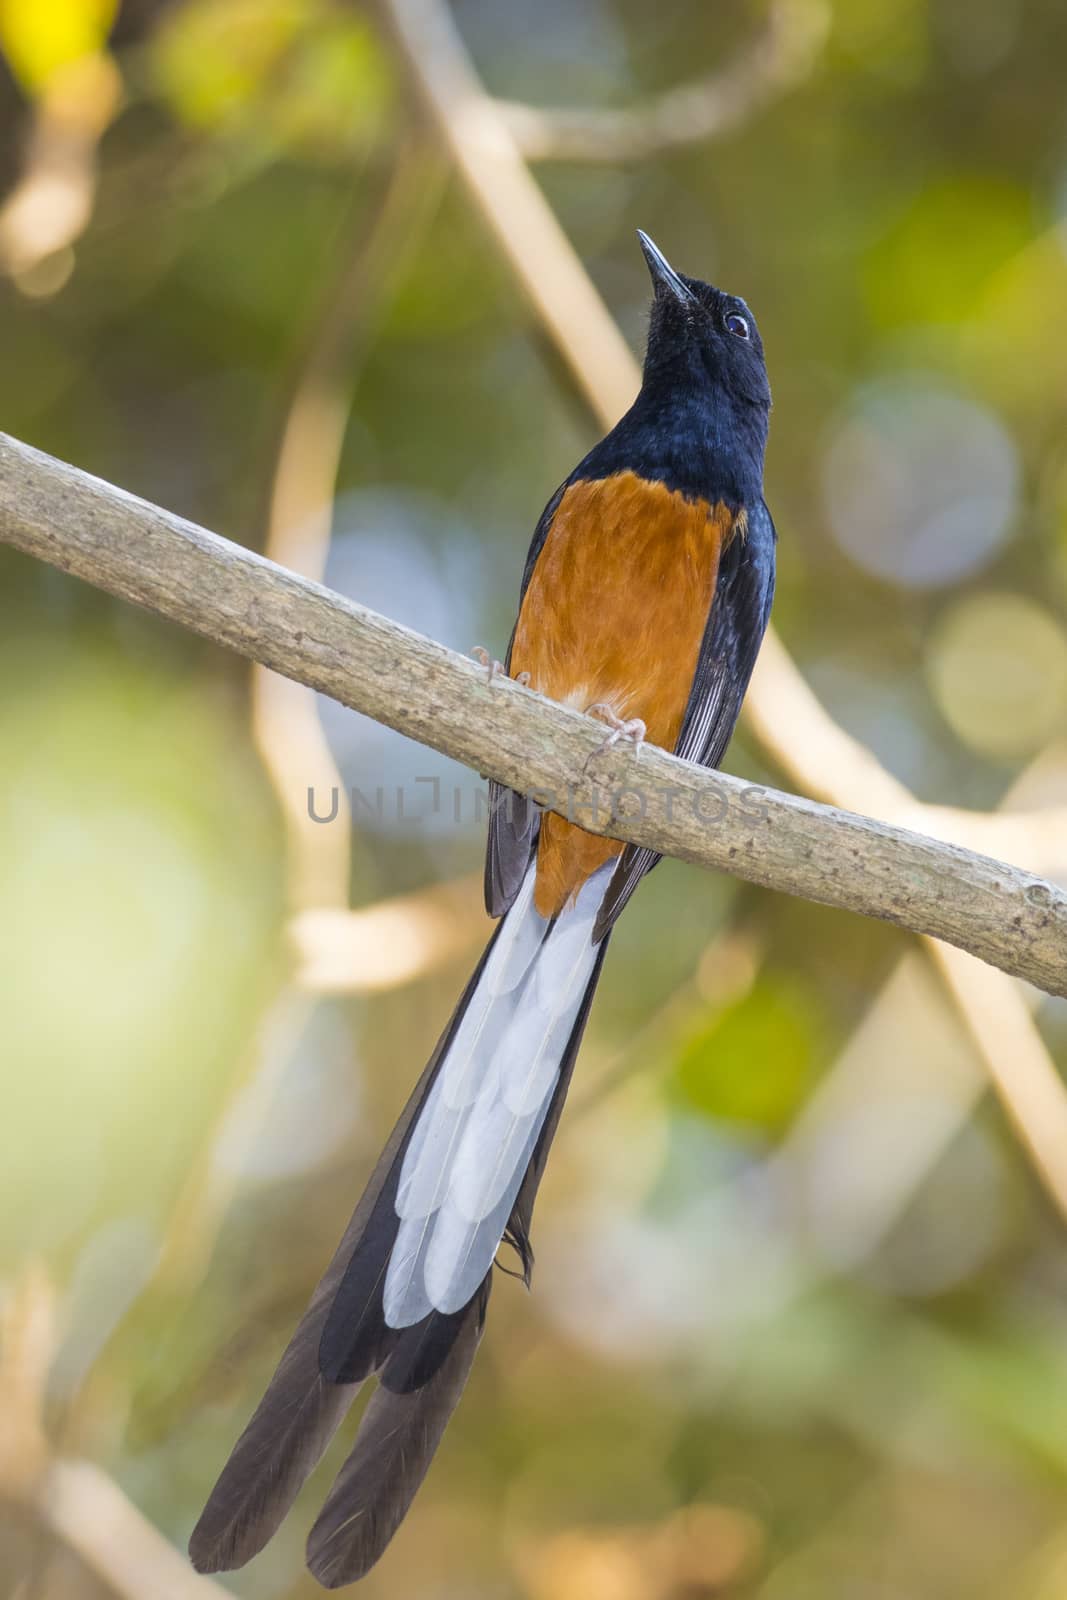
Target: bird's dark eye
{"x": 737, "y": 325}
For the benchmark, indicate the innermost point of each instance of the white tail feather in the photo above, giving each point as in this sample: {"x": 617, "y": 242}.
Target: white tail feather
{"x": 474, "y": 1137}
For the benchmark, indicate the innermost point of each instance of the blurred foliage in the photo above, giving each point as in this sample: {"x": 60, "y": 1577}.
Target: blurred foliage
{"x": 756, "y": 1064}
{"x": 39, "y": 37}
{"x": 291, "y": 79}
{"x": 707, "y": 1393}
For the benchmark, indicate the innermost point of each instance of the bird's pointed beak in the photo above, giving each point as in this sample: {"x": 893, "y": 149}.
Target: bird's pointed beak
{"x": 664, "y": 278}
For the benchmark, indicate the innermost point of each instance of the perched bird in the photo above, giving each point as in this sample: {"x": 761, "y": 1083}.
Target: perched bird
{"x": 645, "y": 598}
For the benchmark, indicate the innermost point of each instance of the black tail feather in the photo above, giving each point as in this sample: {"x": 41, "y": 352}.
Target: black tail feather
{"x": 281, "y": 1446}
{"x": 421, "y": 1349}
{"x": 419, "y": 1386}
{"x": 397, "y": 1439}
{"x": 302, "y": 1409}
{"x": 355, "y": 1336}
{"x": 342, "y": 1339}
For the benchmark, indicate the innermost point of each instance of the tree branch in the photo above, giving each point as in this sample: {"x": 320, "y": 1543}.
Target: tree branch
{"x": 238, "y": 599}
{"x": 786, "y": 717}
{"x": 298, "y": 513}
{"x": 790, "y": 722}
{"x": 782, "y": 55}
{"x": 526, "y": 230}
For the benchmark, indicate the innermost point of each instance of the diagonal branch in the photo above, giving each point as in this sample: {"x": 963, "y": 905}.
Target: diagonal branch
{"x": 780, "y": 708}
{"x": 781, "y": 56}
{"x": 74, "y": 1500}
{"x": 85, "y": 1508}
{"x": 787, "y": 718}
{"x": 238, "y": 599}
{"x": 524, "y": 226}
{"x": 298, "y": 515}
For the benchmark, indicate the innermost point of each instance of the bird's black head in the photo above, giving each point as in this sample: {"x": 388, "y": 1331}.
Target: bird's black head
{"x": 699, "y": 423}
{"x": 699, "y": 336}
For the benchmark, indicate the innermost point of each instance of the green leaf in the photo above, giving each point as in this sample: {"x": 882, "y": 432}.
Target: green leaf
{"x": 756, "y": 1062}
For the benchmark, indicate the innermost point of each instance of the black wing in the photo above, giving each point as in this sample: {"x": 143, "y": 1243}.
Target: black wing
{"x": 513, "y": 818}
{"x": 736, "y": 624}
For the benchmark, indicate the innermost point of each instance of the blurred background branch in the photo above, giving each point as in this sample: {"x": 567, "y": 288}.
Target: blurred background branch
{"x": 335, "y": 948}
{"x": 780, "y": 708}
{"x": 299, "y": 514}
{"x": 792, "y": 1234}
{"x": 86, "y": 1509}
{"x": 782, "y": 55}
{"x": 74, "y": 1501}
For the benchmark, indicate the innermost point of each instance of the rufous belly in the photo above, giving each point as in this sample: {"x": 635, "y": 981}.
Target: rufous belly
{"x": 614, "y": 613}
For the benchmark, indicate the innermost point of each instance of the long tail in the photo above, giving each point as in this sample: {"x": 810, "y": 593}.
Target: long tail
{"x": 405, "y": 1295}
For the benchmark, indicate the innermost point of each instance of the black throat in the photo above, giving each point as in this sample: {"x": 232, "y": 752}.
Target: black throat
{"x": 692, "y": 435}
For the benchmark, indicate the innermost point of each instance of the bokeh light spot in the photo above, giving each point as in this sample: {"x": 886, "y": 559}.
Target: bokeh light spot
{"x": 997, "y": 669}
{"x": 921, "y": 484}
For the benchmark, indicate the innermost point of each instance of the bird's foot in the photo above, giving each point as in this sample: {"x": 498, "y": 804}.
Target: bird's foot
{"x": 631, "y": 728}
{"x": 497, "y": 669}
{"x": 493, "y": 668}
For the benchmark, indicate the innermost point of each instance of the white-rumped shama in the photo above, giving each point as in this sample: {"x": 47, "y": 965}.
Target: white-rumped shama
{"x": 645, "y": 595}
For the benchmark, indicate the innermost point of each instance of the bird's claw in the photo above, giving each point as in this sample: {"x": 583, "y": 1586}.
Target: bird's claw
{"x": 492, "y": 667}
{"x": 631, "y": 728}
{"x": 497, "y": 669}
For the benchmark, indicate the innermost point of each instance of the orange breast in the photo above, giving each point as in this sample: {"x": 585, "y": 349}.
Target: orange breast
{"x": 615, "y": 612}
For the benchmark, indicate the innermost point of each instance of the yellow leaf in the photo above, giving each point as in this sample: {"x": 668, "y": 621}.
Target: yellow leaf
{"x": 40, "y": 36}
